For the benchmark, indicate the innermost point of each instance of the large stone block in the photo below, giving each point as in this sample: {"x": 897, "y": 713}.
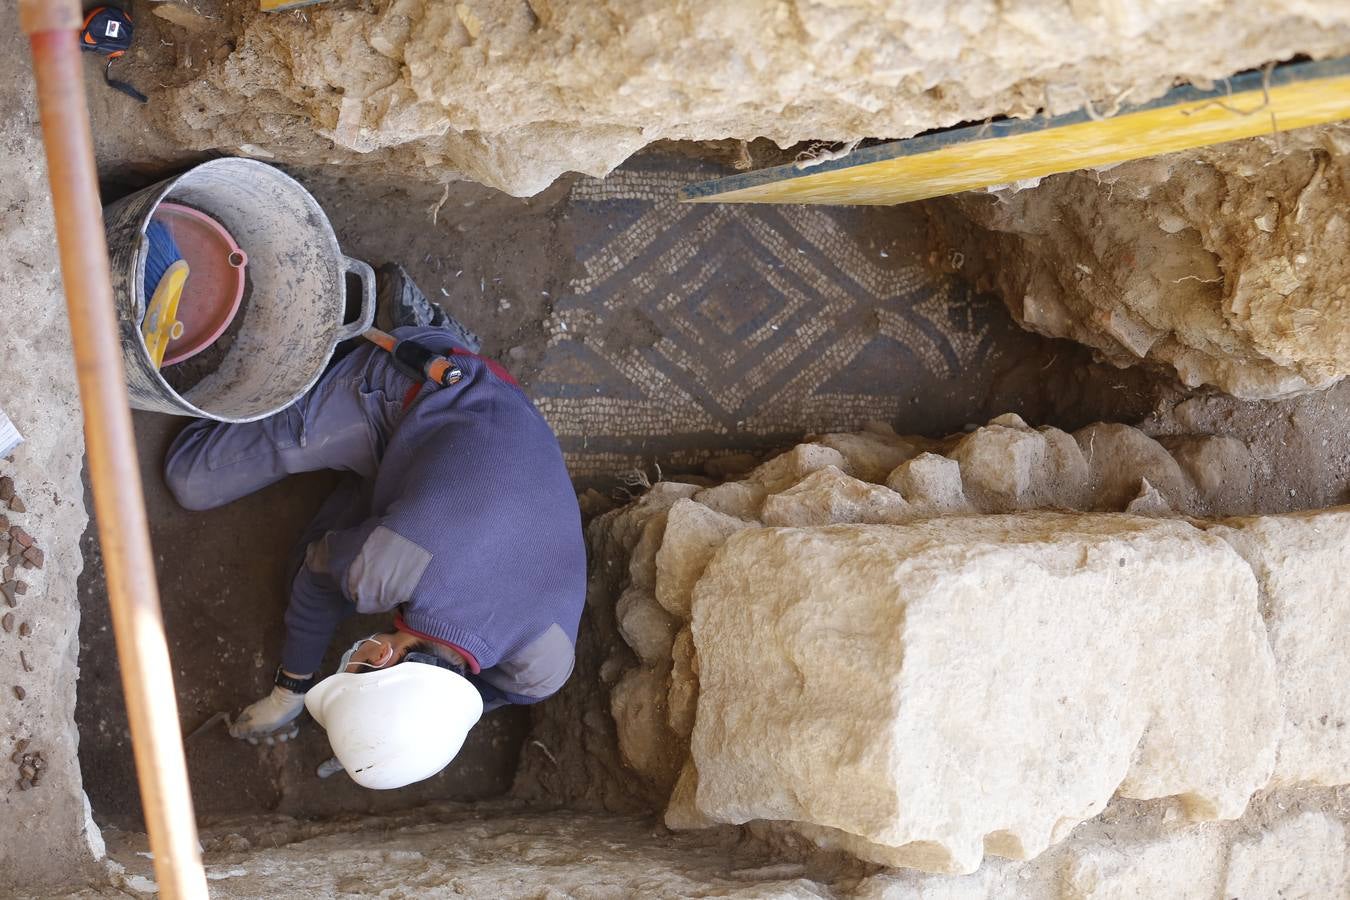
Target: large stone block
{"x": 1302, "y": 564}
{"x": 960, "y": 684}
{"x": 1303, "y": 855}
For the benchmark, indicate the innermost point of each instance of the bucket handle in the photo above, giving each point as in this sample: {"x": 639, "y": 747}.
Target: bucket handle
{"x": 363, "y": 322}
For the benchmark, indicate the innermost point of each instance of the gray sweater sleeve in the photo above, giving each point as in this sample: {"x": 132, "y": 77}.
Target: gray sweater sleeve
{"x": 368, "y": 569}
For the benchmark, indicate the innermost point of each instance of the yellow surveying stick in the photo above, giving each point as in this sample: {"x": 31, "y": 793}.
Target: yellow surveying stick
{"x": 281, "y": 5}
{"x": 961, "y": 159}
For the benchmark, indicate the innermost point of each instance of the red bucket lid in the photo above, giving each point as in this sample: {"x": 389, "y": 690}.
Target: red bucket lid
{"x": 215, "y": 285}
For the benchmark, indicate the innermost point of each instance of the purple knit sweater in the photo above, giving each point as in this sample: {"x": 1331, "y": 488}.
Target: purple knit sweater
{"x": 474, "y": 534}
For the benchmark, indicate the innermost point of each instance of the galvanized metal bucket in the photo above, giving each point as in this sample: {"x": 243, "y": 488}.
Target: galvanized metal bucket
{"x": 291, "y": 321}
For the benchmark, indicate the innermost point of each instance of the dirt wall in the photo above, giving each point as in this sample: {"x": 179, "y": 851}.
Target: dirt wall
{"x": 46, "y": 835}
{"x": 1226, "y": 265}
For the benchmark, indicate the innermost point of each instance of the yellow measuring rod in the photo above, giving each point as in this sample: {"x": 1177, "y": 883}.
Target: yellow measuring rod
{"x": 961, "y": 159}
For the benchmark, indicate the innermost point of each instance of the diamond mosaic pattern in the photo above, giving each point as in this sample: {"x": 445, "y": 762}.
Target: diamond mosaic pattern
{"x": 764, "y": 323}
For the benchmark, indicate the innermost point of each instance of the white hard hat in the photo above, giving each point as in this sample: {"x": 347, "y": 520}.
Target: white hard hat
{"x": 398, "y": 725}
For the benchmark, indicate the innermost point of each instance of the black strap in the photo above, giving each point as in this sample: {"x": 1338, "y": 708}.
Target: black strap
{"x": 122, "y": 85}
{"x": 295, "y": 685}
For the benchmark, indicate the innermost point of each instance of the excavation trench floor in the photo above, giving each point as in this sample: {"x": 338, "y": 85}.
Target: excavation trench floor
{"x": 650, "y": 333}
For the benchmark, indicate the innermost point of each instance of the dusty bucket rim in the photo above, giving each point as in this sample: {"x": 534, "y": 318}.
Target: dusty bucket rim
{"x": 167, "y": 187}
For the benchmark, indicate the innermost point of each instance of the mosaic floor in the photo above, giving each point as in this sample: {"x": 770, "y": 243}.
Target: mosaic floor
{"x": 759, "y": 323}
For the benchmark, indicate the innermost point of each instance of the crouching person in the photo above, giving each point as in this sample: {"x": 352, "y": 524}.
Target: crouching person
{"x": 457, "y": 519}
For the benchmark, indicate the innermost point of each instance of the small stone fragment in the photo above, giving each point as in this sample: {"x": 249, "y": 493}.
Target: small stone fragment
{"x": 4, "y": 523}
{"x": 7, "y": 574}
{"x": 6, "y": 488}
{"x": 23, "y": 784}
{"x": 33, "y": 558}
{"x": 7, "y": 591}
{"x": 20, "y": 692}
{"x": 21, "y": 745}
{"x": 23, "y": 660}
{"x": 21, "y": 588}
{"x": 25, "y": 629}
{"x": 16, "y": 504}
{"x": 7, "y": 622}
{"x": 21, "y": 537}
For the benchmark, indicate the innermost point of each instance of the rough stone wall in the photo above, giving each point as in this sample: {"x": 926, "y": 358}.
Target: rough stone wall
{"x": 1226, "y": 264}
{"x": 722, "y": 622}
{"x": 515, "y": 94}
{"x": 46, "y": 835}
{"x": 1288, "y": 844}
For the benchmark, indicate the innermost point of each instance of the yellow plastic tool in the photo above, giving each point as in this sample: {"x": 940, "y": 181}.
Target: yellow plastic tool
{"x": 161, "y": 324}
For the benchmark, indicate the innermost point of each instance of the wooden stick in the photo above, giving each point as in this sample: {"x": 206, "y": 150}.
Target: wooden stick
{"x": 142, "y": 650}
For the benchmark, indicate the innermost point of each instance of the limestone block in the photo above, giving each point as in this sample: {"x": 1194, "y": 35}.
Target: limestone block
{"x": 1183, "y": 864}
{"x": 1221, "y": 469}
{"x": 786, "y": 469}
{"x": 829, "y": 497}
{"x": 742, "y": 499}
{"x": 1303, "y": 569}
{"x": 1007, "y": 466}
{"x": 682, "y": 813}
{"x": 1300, "y": 856}
{"x": 642, "y": 563}
{"x": 1120, "y": 457}
{"x": 693, "y": 533}
{"x": 1140, "y": 854}
{"x": 683, "y": 701}
{"x": 870, "y": 457}
{"x": 931, "y": 484}
{"x": 996, "y": 679}
{"x": 646, "y": 743}
{"x": 645, "y": 626}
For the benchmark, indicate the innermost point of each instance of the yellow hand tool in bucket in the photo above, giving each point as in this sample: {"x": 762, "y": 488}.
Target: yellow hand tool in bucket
{"x": 161, "y": 324}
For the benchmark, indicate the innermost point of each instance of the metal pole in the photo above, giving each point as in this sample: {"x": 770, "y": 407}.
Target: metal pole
{"x": 142, "y": 650}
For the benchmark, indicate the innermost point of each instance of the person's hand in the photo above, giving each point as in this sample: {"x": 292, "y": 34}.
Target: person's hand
{"x": 271, "y": 719}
